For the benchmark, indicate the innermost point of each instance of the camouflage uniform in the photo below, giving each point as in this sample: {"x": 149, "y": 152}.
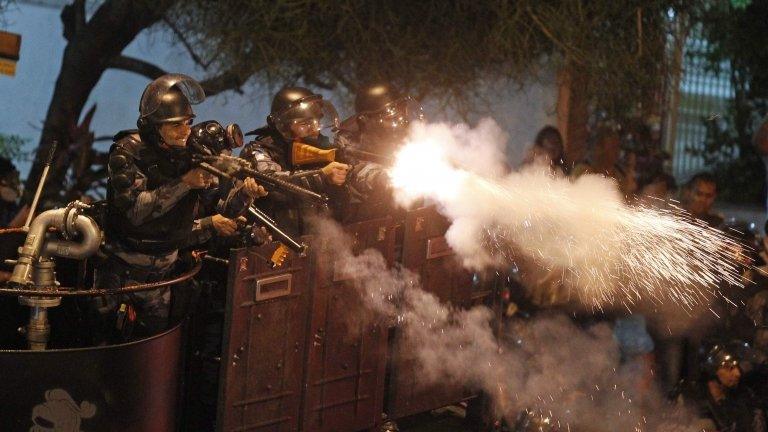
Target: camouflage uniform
{"x": 368, "y": 184}
{"x": 380, "y": 124}
{"x": 269, "y": 154}
{"x": 148, "y": 221}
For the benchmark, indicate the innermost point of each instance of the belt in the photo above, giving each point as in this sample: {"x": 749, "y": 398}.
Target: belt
{"x": 118, "y": 266}
{"x": 152, "y": 247}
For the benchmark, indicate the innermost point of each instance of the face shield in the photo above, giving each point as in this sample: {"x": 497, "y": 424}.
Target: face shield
{"x": 307, "y": 118}
{"x": 396, "y": 116}
{"x": 160, "y": 91}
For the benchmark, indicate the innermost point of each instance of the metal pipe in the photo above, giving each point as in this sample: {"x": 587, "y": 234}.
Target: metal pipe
{"x": 38, "y": 330}
{"x": 67, "y": 292}
{"x": 36, "y": 245}
{"x": 87, "y": 246}
{"x": 40, "y": 185}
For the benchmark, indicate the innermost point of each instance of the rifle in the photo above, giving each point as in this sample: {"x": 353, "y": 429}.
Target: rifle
{"x": 257, "y": 219}
{"x": 278, "y": 234}
{"x": 285, "y": 240}
{"x": 231, "y": 167}
{"x": 206, "y": 144}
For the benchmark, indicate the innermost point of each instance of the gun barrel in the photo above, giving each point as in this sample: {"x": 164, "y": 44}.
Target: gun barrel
{"x": 362, "y": 155}
{"x": 272, "y": 182}
{"x": 277, "y": 233}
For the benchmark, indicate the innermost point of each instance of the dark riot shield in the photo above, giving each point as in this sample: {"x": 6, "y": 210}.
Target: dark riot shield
{"x": 266, "y": 323}
{"x": 426, "y": 252}
{"x": 126, "y": 387}
{"x": 346, "y": 354}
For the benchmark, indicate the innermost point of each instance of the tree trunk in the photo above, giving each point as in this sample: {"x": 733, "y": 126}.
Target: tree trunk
{"x": 89, "y": 49}
{"x": 573, "y": 113}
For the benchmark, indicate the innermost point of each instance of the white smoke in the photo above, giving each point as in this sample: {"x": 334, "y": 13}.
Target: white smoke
{"x": 550, "y": 367}
{"x": 608, "y": 251}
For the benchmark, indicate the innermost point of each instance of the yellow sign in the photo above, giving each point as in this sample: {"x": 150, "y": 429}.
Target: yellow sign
{"x": 10, "y": 47}
{"x": 7, "y": 67}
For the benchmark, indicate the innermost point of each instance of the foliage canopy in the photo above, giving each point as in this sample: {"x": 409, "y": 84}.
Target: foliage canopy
{"x": 444, "y": 49}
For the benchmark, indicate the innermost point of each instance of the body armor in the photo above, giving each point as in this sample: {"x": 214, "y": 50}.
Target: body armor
{"x": 162, "y": 234}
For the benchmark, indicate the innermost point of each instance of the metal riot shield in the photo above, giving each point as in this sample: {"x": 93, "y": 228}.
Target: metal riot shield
{"x": 426, "y": 252}
{"x": 346, "y": 358}
{"x": 126, "y": 387}
{"x": 265, "y": 325}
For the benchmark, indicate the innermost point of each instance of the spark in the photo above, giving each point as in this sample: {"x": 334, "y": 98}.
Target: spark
{"x": 610, "y": 252}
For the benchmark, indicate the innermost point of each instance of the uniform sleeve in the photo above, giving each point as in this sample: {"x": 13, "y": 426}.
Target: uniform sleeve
{"x": 129, "y": 186}
{"x": 367, "y": 178}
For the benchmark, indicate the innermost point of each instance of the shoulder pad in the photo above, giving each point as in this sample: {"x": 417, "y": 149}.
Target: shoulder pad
{"x": 255, "y": 147}
{"x": 128, "y": 144}
{"x": 123, "y": 133}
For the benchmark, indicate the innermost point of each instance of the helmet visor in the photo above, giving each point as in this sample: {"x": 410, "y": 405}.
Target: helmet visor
{"x": 307, "y": 117}
{"x": 398, "y": 115}
{"x": 154, "y": 93}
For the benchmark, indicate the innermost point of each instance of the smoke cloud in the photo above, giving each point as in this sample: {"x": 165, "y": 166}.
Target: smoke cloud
{"x": 608, "y": 251}
{"x": 556, "y": 371}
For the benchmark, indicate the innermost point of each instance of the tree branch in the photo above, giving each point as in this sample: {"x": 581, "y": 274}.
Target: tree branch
{"x": 226, "y": 81}
{"x": 212, "y": 86}
{"x": 73, "y": 18}
{"x": 135, "y": 65}
{"x": 568, "y": 51}
{"x": 186, "y": 44}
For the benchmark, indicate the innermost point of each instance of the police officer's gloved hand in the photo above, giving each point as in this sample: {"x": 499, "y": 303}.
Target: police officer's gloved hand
{"x": 224, "y": 227}
{"x": 252, "y": 189}
{"x": 259, "y": 236}
{"x": 335, "y": 173}
{"x": 197, "y": 178}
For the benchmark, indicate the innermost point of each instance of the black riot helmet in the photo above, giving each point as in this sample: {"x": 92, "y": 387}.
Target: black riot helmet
{"x": 169, "y": 99}
{"x": 383, "y": 107}
{"x": 727, "y": 354}
{"x": 298, "y": 113}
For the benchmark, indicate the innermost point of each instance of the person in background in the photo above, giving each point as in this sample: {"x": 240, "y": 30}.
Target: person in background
{"x": 637, "y": 352}
{"x": 548, "y": 148}
{"x": 12, "y": 214}
{"x": 699, "y": 196}
{"x": 760, "y": 141}
{"x": 720, "y": 397}
{"x": 657, "y": 190}
{"x": 606, "y": 160}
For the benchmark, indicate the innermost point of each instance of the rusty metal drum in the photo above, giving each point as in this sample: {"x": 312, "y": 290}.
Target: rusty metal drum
{"x": 125, "y": 387}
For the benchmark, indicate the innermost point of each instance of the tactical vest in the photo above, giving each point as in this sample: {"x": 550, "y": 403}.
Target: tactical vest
{"x": 167, "y": 232}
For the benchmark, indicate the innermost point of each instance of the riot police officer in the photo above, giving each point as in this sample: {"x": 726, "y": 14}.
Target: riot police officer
{"x": 152, "y": 196}
{"x": 298, "y": 116}
{"x": 721, "y": 397}
{"x": 383, "y": 116}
